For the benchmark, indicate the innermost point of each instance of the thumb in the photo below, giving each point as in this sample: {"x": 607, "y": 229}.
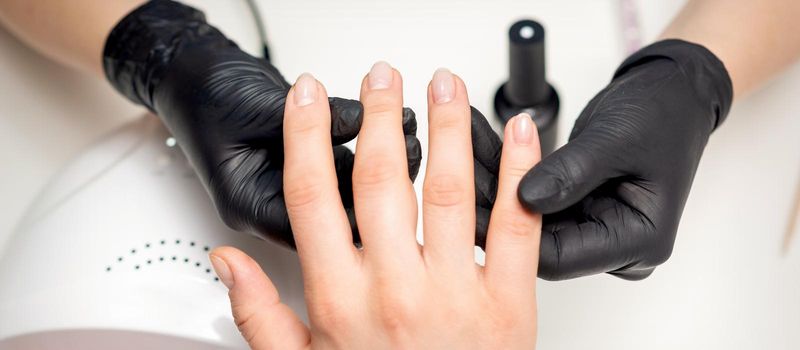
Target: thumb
{"x": 566, "y": 176}
{"x": 263, "y": 320}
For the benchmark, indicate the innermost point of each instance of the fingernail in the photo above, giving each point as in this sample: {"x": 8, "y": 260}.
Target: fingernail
{"x": 222, "y": 270}
{"x": 523, "y": 129}
{"x": 380, "y": 76}
{"x": 443, "y": 85}
{"x": 305, "y": 90}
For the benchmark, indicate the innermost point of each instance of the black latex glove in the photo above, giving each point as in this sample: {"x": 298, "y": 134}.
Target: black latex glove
{"x": 616, "y": 191}
{"x": 225, "y": 109}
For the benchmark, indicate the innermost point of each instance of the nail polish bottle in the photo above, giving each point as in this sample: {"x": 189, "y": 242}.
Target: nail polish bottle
{"x": 527, "y": 89}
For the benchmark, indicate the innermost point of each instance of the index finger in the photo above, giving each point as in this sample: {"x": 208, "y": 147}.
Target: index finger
{"x": 317, "y": 216}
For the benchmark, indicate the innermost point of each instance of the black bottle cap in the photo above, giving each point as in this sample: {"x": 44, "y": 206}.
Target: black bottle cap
{"x": 527, "y": 83}
{"x": 527, "y": 90}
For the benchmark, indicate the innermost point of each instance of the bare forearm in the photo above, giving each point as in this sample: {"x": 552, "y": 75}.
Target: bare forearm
{"x": 70, "y": 32}
{"x": 755, "y": 39}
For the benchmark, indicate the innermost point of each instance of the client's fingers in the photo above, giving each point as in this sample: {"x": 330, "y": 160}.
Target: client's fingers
{"x": 512, "y": 245}
{"x": 319, "y": 222}
{"x": 264, "y": 321}
{"x": 384, "y": 199}
{"x": 448, "y": 203}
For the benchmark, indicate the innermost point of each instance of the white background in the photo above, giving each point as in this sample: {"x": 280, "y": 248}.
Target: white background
{"x": 731, "y": 282}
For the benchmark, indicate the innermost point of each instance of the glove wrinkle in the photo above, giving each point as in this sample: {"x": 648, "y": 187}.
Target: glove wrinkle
{"x": 613, "y": 196}
{"x": 225, "y": 109}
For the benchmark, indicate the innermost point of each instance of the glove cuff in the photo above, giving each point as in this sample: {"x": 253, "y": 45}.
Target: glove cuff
{"x": 706, "y": 72}
{"x": 143, "y": 44}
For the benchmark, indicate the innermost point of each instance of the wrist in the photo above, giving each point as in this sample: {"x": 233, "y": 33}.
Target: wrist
{"x": 142, "y": 46}
{"x": 705, "y": 73}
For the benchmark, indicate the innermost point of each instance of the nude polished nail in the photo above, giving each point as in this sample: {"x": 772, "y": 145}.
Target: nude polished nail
{"x": 305, "y": 90}
{"x": 443, "y": 86}
{"x": 222, "y": 270}
{"x": 380, "y": 76}
{"x": 523, "y": 129}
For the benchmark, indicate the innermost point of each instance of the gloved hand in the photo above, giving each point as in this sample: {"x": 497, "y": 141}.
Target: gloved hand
{"x": 225, "y": 109}
{"x": 616, "y": 191}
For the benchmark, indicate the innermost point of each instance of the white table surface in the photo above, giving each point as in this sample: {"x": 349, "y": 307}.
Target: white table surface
{"x": 729, "y": 283}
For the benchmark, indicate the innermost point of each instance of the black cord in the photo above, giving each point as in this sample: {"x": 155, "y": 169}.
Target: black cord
{"x": 259, "y": 26}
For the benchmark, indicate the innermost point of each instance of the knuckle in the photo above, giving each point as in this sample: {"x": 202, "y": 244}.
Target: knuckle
{"x": 382, "y": 107}
{"x": 504, "y": 321}
{"x": 396, "y": 314}
{"x": 506, "y": 316}
{"x": 247, "y": 321}
{"x": 450, "y": 121}
{"x": 303, "y": 192}
{"x": 444, "y": 190}
{"x": 304, "y": 125}
{"x": 515, "y": 171}
{"x": 515, "y": 225}
{"x": 330, "y": 317}
{"x": 375, "y": 169}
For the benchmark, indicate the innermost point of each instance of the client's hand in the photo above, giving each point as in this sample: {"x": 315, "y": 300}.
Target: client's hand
{"x": 393, "y": 293}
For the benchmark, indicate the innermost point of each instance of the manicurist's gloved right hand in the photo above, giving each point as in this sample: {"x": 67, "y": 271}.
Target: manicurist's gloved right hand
{"x": 615, "y": 192}
{"x": 225, "y": 109}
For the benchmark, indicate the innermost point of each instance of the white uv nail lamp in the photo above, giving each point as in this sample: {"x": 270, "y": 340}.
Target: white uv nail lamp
{"x": 113, "y": 255}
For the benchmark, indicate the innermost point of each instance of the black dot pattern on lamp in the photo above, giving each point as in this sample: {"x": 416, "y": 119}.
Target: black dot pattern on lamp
{"x": 151, "y": 255}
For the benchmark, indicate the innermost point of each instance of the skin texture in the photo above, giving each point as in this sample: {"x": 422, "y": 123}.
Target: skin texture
{"x": 70, "y": 32}
{"x": 394, "y": 293}
{"x": 755, "y": 39}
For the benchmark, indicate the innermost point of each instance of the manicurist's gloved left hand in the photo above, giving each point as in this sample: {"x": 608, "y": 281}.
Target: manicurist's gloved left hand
{"x": 615, "y": 192}
{"x": 225, "y": 108}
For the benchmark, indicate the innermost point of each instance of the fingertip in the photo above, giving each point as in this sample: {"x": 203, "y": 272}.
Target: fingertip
{"x": 398, "y": 77}
{"x": 221, "y": 267}
{"x": 306, "y": 91}
{"x": 264, "y": 322}
{"x": 461, "y": 87}
{"x": 381, "y": 76}
{"x": 445, "y": 88}
{"x": 523, "y": 132}
{"x": 307, "y": 125}
{"x": 238, "y": 271}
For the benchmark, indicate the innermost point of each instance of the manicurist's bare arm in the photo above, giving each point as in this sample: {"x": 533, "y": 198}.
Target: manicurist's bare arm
{"x": 70, "y": 32}
{"x": 755, "y": 39}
